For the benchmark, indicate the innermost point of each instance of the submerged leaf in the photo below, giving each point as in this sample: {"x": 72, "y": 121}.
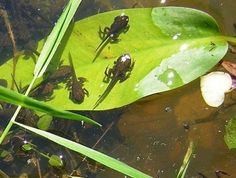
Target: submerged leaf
{"x": 44, "y": 122}
{"x": 230, "y": 134}
{"x": 174, "y": 46}
{"x": 55, "y": 161}
{"x": 4, "y": 153}
{"x": 186, "y": 161}
{"x": 28, "y": 147}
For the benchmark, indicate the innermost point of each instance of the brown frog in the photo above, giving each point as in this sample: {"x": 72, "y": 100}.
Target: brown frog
{"x": 77, "y": 92}
{"x": 119, "y": 72}
{"x": 120, "y": 24}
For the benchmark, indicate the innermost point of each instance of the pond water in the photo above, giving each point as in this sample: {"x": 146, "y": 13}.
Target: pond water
{"x": 151, "y": 134}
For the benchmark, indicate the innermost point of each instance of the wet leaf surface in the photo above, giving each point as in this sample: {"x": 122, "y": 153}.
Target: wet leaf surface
{"x": 230, "y": 135}
{"x": 170, "y": 46}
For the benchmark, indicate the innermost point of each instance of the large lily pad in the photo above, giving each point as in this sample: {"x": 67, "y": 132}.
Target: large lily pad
{"x": 171, "y": 46}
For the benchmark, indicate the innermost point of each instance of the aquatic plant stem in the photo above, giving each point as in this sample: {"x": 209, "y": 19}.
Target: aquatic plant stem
{"x": 16, "y": 113}
{"x": 11, "y": 35}
{"x": 230, "y": 39}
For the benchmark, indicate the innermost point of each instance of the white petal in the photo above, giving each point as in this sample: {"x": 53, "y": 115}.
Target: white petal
{"x": 213, "y": 87}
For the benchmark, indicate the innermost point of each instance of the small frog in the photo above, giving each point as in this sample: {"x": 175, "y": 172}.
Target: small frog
{"x": 77, "y": 92}
{"x": 120, "y": 24}
{"x": 119, "y": 72}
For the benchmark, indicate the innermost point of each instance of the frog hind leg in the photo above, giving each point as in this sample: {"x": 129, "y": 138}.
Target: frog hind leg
{"x": 126, "y": 29}
{"x": 69, "y": 85}
{"x": 103, "y": 33}
{"x": 123, "y": 77}
{"x": 108, "y": 75}
{"x": 86, "y": 92}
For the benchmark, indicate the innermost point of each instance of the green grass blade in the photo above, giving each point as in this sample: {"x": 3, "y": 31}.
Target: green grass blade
{"x": 95, "y": 155}
{"x": 186, "y": 161}
{"x": 12, "y": 97}
{"x": 47, "y": 53}
{"x": 55, "y": 37}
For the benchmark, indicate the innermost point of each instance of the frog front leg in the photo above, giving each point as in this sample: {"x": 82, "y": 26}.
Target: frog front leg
{"x": 131, "y": 66}
{"x": 81, "y": 80}
{"x": 126, "y": 75}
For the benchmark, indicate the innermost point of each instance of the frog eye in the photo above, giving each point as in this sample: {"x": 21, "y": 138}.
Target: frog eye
{"x": 214, "y": 86}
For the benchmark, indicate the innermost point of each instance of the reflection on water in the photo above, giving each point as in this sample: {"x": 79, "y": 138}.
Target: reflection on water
{"x": 152, "y": 135}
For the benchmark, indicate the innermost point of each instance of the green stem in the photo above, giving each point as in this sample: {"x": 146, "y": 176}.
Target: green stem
{"x": 40, "y": 153}
{"x": 230, "y": 39}
{"x": 9, "y": 125}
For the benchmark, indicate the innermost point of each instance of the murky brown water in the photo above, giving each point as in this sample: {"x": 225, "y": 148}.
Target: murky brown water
{"x": 153, "y": 137}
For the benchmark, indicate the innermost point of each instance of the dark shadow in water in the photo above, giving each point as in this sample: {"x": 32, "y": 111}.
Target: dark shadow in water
{"x": 92, "y": 136}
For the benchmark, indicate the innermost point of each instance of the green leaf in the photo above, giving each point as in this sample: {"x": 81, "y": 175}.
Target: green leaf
{"x": 186, "y": 161}
{"x": 44, "y": 122}
{"x": 4, "y": 153}
{"x": 186, "y": 23}
{"x": 28, "y": 146}
{"x": 230, "y": 134}
{"x": 12, "y": 97}
{"x": 55, "y": 161}
{"x": 88, "y": 152}
{"x": 171, "y": 46}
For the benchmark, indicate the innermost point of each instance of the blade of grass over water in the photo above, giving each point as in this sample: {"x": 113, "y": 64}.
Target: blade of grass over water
{"x": 10, "y": 96}
{"x": 55, "y": 37}
{"x": 95, "y": 155}
{"x": 48, "y": 51}
{"x": 186, "y": 161}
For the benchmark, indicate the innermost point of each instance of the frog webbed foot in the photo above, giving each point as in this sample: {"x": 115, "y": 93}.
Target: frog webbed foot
{"x": 115, "y": 40}
{"x": 106, "y": 79}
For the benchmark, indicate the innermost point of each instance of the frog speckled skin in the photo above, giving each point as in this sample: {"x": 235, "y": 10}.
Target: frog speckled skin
{"x": 77, "y": 92}
{"x": 120, "y": 24}
{"x": 119, "y": 72}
